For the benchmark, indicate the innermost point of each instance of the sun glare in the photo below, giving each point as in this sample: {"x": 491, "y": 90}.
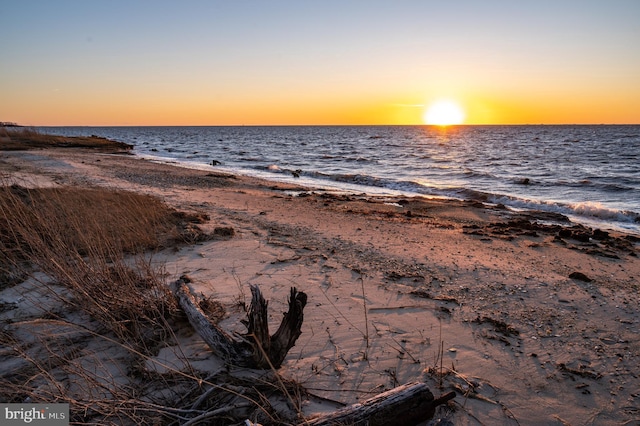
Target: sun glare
{"x": 444, "y": 113}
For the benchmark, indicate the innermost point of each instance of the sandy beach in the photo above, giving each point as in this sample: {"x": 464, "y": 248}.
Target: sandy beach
{"x": 530, "y": 322}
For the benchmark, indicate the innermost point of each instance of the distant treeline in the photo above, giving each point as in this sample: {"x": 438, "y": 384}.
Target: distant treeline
{"x": 9, "y": 124}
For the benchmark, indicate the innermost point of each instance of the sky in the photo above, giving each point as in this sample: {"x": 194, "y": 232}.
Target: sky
{"x": 299, "y": 62}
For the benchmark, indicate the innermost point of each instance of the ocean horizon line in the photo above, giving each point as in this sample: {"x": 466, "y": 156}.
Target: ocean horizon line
{"x": 332, "y": 125}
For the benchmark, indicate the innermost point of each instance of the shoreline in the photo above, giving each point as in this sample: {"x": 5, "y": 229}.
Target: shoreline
{"x": 399, "y": 285}
{"x": 311, "y": 184}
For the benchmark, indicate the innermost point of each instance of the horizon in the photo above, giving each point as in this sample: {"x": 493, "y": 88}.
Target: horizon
{"x": 447, "y": 126}
{"x": 72, "y": 63}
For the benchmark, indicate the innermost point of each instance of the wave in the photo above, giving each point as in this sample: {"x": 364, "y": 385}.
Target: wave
{"x": 373, "y": 181}
{"x": 598, "y": 210}
{"x": 591, "y": 210}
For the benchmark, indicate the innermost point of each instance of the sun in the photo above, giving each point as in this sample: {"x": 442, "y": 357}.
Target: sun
{"x": 444, "y": 113}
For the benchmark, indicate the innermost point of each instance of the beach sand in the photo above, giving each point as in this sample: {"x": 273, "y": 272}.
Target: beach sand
{"x": 528, "y": 324}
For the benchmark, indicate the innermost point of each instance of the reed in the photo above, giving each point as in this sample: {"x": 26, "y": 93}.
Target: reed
{"x": 81, "y": 238}
{"x": 99, "y": 353}
{"x": 89, "y": 242}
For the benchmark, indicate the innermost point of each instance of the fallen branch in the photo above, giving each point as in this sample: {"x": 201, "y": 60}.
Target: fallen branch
{"x": 258, "y": 349}
{"x": 408, "y": 404}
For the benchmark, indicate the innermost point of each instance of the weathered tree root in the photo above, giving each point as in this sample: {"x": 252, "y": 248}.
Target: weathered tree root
{"x": 258, "y": 349}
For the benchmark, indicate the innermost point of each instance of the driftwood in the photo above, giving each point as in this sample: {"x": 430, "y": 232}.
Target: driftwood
{"x": 256, "y": 349}
{"x": 270, "y": 351}
{"x": 408, "y": 404}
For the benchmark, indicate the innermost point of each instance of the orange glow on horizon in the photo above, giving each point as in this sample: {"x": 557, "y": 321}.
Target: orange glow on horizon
{"x": 320, "y": 109}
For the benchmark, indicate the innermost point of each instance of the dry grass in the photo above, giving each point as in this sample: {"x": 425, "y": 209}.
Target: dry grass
{"x": 90, "y": 243}
{"x": 59, "y": 229}
{"x": 98, "y": 352}
{"x": 21, "y": 138}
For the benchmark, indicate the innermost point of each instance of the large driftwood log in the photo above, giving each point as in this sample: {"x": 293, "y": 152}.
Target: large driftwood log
{"x": 258, "y": 349}
{"x": 408, "y": 404}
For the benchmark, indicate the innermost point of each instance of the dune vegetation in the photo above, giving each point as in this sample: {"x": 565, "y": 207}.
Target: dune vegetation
{"x": 16, "y": 138}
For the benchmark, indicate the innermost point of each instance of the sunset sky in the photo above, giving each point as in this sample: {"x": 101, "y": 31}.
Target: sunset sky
{"x": 99, "y": 62}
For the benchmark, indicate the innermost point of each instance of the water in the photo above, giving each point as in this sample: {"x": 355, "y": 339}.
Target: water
{"x": 589, "y": 173}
